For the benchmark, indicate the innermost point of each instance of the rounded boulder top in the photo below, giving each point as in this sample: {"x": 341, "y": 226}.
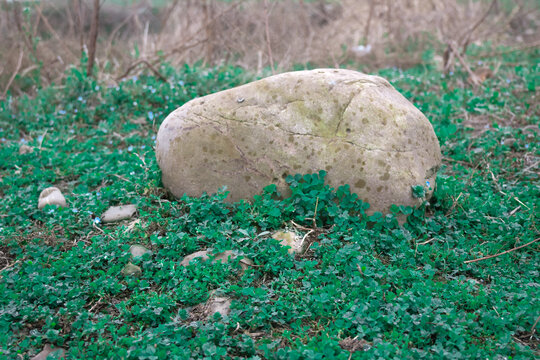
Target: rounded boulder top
{"x": 357, "y": 127}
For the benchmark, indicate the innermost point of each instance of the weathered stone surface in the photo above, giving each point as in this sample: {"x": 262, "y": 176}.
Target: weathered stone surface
{"x": 51, "y": 196}
{"x": 138, "y": 250}
{"x": 131, "y": 270}
{"x": 48, "y": 350}
{"x": 117, "y": 213}
{"x": 224, "y": 257}
{"x": 290, "y": 238}
{"x": 357, "y": 127}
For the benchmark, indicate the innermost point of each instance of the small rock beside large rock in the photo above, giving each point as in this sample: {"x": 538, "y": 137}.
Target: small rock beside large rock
{"x": 25, "y": 149}
{"x": 52, "y": 352}
{"x": 224, "y": 257}
{"x": 51, "y": 196}
{"x": 131, "y": 270}
{"x": 290, "y": 239}
{"x": 138, "y": 251}
{"x": 357, "y": 127}
{"x": 118, "y": 213}
{"x": 221, "y": 305}
{"x": 207, "y": 310}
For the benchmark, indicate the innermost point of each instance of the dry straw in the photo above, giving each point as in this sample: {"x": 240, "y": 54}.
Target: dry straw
{"x": 44, "y": 38}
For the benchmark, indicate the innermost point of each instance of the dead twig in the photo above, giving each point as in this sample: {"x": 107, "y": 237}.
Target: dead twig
{"x": 305, "y": 236}
{"x": 300, "y": 226}
{"x": 475, "y": 80}
{"x": 458, "y": 161}
{"x": 453, "y": 51}
{"x": 93, "y": 39}
{"x": 10, "y": 266}
{"x": 139, "y": 62}
{"x": 466, "y": 37}
{"x": 95, "y": 305}
{"x": 267, "y": 35}
{"x": 186, "y": 45}
{"x": 42, "y": 138}
{"x": 17, "y": 68}
{"x": 52, "y": 31}
{"x": 167, "y": 16}
{"x": 454, "y": 204}
{"x": 533, "y": 328}
{"x": 368, "y": 23}
{"x": 122, "y": 178}
{"x": 426, "y": 242}
{"x": 118, "y": 27}
{"x": 504, "y": 252}
{"x": 514, "y": 211}
{"x": 208, "y": 9}
{"x": 183, "y": 47}
{"x": 150, "y": 64}
{"x": 17, "y": 15}
{"x": 499, "y": 53}
{"x": 78, "y": 4}
{"x": 315, "y": 213}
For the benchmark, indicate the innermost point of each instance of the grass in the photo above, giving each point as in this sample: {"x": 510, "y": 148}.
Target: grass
{"x": 396, "y": 292}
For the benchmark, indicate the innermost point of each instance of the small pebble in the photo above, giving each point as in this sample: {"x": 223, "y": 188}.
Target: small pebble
{"x": 139, "y": 250}
{"x": 54, "y": 353}
{"x": 291, "y": 239}
{"x": 131, "y": 270}
{"x": 25, "y": 149}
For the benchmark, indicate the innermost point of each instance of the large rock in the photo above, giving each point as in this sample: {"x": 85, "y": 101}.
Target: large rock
{"x": 357, "y": 127}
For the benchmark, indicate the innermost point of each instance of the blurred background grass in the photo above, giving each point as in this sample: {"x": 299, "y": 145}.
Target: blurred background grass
{"x": 40, "y": 39}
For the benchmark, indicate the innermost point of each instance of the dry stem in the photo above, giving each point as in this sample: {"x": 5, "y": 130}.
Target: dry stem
{"x": 93, "y": 39}
{"x": 267, "y": 35}
{"x": 504, "y": 252}
{"x": 19, "y": 62}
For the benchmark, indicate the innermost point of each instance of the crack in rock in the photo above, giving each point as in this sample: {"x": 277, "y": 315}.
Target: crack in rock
{"x": 342, "y": 115}
{"x": 363, "y": 147}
